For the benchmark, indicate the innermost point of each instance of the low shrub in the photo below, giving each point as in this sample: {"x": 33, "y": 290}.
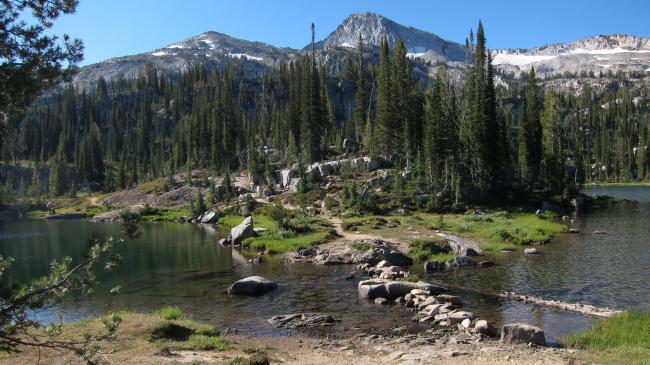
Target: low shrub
{"x": 171, "y": 313}
{"x": 424, "y": 249}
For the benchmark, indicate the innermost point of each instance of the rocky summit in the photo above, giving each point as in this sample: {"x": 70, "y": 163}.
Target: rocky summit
{"x": 595, "y": 54}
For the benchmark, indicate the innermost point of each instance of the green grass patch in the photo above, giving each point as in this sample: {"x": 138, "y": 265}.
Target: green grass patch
{"x": 499, "y": 227}
{"x": 163, "y": 214}
{"x": 498, "y": 246}
{"x": 171, "y": 313}
{"x": 278, "y": 243}
{"x": 442, "y": 256}
{"x": 411, "y": 278}
{"x": 259, "y": 221}
{"x": 361, "y": 246}
{"x": 620, "y": 339}
{"x": 187, "y": 335}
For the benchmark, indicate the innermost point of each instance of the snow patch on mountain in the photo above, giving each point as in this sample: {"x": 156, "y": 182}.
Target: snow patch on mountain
{"x": 606, "y": 51}
{"x": 160, "y": 53}
{"x": 244, "y": 55}
{"x": 519, "y": 59}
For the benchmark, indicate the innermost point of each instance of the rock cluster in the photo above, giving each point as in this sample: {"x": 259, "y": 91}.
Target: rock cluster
{"x": 379, "y": 251}
{"x": 301, "y": 320}
{"x": 430, "y": 303}
{"x": 383, "y": 270}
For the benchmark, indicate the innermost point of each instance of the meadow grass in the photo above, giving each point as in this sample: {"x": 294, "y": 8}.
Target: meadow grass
{"x": 136, "y": 335}
{"x": 277, "y": 243}
{"x": 495, "y": 231}
{"x": 620, "y": 339}
{"x": 519, "y": 228}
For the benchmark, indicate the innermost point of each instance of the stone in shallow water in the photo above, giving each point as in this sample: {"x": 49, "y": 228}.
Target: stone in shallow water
{"x": 433, "y": 266}
{"x": 523, "y": 333}
{"x": 460, "y": 261}
{"x": 302, "y": 320}
{"x": 252, "y": 285}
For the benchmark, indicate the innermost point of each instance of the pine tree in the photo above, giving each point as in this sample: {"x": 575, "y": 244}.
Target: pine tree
{"x": 552, "y": 159}
{"x": 530, "y": 135}
{"x": 212, "y": 193}
{"x": 361, "y": 100}
{"x": 59, "y": 175}
{"x": 383, "y": 134}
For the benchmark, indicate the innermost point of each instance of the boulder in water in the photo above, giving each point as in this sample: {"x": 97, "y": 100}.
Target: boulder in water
{"x": 252, "y": 285}
{"x": 376, "y": 288}
{"x": 459, "y": 261}
{"x": 431, "y": 266}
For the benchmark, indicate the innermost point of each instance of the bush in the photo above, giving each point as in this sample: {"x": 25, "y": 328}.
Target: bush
{"x": 330, "y": 203}
{"x": 424, "y": 249}
{"x": 149, "y": 210}
{"x": 171, "y": 313}
{"x": 279, "y": 214}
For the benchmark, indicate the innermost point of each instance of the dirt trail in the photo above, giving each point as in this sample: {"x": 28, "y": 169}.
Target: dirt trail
{"x": 347, "y": 237}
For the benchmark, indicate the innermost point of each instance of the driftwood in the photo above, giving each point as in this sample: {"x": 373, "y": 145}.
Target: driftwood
{"x": 557, "y": 304}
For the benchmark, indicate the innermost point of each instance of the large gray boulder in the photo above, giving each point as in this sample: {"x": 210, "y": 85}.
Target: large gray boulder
{"x": 242, "y": 231}
{"x": 210, "y": 217}
{"x": 522, "y": 333}
{"x": 252, "y": 285}
{"x": 378, "y": 288}
{"x": 286, "y": 176}
{"x": 485, "y": 328}
{"x": 380, "y": 253}
{"x": 293, "y": 185}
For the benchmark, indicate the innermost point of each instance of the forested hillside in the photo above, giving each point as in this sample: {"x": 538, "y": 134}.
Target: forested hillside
{"x": 471, "y": 142}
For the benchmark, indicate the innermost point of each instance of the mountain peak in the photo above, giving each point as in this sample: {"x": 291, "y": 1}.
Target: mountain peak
{"x": 374, "y": 28}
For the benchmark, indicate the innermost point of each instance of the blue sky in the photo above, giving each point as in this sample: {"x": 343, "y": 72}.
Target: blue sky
{"x": 111, "y": 28}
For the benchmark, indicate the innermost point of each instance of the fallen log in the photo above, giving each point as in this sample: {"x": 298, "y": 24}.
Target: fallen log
{"x": 557, "y": 304}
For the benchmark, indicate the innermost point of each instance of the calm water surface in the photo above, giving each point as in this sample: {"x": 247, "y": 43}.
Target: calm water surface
{"x": 177, "y": 264}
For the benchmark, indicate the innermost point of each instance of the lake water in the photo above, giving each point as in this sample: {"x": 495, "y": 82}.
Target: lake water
{"x": 181, "y": 264}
